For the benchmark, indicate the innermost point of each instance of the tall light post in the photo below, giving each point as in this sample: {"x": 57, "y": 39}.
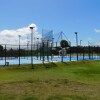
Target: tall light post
{"x": 19, "y": 48}
{"x": 76, "y": 44}
{"x": 76, "y": 39}
{"x": 19, "y": 38}
{"x": 31, "y": 28}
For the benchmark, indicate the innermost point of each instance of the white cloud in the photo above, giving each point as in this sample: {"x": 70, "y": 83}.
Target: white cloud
{"x": 11, "y": 36}
{"x": 96, "y": 30}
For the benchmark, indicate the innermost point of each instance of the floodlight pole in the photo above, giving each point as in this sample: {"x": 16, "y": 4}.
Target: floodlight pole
{"x": 76, "y": 44}
{"x": 76, "y": 39}
{"x": 31, "y": 28}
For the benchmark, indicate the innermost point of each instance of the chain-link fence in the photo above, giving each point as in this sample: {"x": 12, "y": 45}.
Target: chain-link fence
{"x": 45, "y": 52}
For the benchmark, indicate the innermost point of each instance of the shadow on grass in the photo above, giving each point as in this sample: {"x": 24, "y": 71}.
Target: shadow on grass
{"x": 50, "y": 65}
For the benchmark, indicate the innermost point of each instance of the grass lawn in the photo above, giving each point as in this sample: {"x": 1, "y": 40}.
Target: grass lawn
{"x": 79, "y": 80}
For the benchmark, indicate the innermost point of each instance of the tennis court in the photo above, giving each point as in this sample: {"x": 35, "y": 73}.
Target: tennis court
{"x": 27, "y": 60}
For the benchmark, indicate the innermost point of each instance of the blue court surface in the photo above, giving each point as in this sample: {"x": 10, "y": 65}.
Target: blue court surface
{"x": 27, "y": 60}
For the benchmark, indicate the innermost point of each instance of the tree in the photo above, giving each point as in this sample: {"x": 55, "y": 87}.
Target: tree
{"x": 1, "y": 50}
{"x": 1, "y": 47}
{"x": 64, "y": 44}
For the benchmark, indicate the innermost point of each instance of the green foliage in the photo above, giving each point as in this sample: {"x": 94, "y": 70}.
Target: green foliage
{"x": 1, "y": 47}
{"x": 64, "y": 43}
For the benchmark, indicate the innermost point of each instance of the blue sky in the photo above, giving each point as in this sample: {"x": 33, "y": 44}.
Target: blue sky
{"x": 69, "y": 16}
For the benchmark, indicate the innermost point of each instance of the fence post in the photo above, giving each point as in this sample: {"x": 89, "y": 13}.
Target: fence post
{"x": 32, "y": 56}
{"x": 93, "y": 48}
{"x": 37, "y": 51}
{"x": 43, "y": 51}
{"x": 89, "y": 52}
{"x": 62, "y": 54}
{"x": 5, "y": 55}
{"x": 83, "y": 52}
{"x": 40, "y": 51}
{"x": 47, "y": 52}
{"x": 70, "y": 53}
{"x": 19, "y": 54}
{"x": 51, "y": 51}
{"x": 77, "y": 52}
{"x": 98, "y": 52}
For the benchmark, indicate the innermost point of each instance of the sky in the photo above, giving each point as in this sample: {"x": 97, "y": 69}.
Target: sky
{"x": 67, "y": 16}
